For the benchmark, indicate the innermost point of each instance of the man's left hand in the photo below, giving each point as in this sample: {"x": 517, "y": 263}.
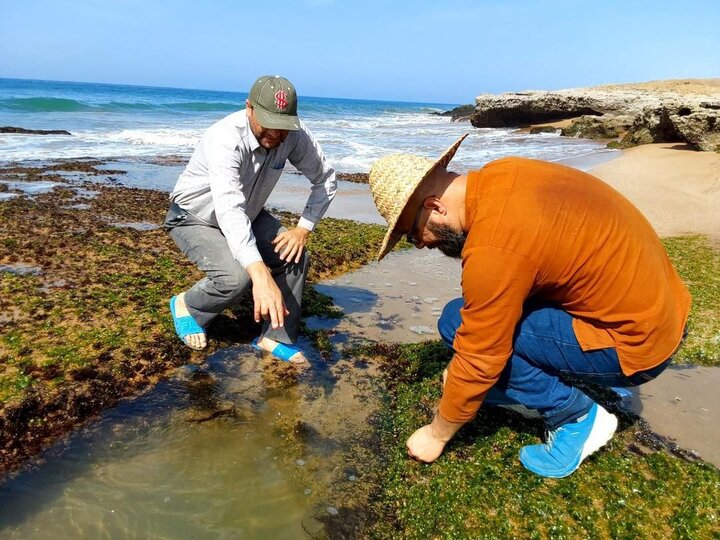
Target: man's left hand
{"x": 290, "y": 244}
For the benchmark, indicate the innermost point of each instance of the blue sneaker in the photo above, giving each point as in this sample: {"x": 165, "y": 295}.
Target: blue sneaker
{"x": 570, "y": 444}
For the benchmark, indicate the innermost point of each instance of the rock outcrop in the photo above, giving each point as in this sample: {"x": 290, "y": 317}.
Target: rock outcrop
{"x": 458, "y": 114}
{"x": 665, "y": 111}
{"x": 23, "y": 131}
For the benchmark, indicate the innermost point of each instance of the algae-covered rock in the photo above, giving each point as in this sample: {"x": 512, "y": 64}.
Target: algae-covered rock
{"x": 593, "y": 127}
{"x": 542, "y": 129}
{"x": 697, "y": 124}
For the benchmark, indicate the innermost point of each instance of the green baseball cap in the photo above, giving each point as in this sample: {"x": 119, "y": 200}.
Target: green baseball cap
{"x": 274, "y": 102}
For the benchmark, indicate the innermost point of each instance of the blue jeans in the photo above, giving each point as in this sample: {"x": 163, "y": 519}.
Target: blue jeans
{"x": 545, "y": 353}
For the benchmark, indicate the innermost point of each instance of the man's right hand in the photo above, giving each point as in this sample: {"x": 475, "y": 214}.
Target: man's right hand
{"x": 269, "y": 303}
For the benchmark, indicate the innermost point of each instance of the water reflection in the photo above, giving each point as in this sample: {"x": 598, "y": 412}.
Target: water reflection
{"x": 240, "y": 447}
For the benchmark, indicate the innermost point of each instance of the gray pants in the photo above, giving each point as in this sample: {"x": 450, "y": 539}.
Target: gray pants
{"x": 226, "y": 279}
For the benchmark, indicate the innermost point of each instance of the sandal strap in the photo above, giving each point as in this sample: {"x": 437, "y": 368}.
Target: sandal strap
{"x": 184, "y": 326}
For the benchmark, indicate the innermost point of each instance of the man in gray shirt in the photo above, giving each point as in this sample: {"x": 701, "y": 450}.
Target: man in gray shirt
{"x": 217, "y": 218}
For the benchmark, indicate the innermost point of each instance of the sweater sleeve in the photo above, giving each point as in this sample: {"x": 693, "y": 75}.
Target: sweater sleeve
{"x": 495, "y": 283}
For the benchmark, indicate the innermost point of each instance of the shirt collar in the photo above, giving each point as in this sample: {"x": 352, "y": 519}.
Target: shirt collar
{"x": 472, "y": 198}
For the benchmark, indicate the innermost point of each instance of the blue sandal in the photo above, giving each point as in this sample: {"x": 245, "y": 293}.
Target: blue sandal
{"x": 281, "y": 351}
{"x": 184, "y": 326}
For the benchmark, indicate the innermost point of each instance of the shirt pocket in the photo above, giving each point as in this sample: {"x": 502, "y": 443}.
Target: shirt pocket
{"x": 278, "y": 165}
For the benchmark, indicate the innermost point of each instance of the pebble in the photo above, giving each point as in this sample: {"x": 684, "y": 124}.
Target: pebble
{"x": 332, "y": 510}
{"x": 307, "y": 491}
{"x": 430, "y": 300}
{"x": 300, "y": 462}
{"x": 352, "y": 477}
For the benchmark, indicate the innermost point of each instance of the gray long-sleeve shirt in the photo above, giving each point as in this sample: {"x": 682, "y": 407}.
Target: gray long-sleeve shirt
{"x": 230, "y": 177}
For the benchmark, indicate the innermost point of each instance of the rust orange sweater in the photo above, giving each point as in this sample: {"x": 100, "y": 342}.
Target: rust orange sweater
{"x": 547, "y": 231}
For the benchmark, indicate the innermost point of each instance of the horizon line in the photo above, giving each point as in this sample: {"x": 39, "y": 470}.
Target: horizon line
{"x": 227, "y": 91}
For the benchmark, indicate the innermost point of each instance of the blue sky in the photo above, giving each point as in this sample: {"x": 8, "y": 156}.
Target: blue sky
{"x": 433, "y": 51}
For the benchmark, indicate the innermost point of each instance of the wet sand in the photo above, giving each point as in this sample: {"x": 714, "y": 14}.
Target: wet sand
{"x": 677, "y": 189}
{"x": 398, "y": 299}
{"x": 353, "y": 200}
{"x": 683, "y": 404}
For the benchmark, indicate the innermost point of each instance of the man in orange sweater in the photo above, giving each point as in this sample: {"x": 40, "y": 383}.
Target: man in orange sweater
{"x": 562, "y": 278}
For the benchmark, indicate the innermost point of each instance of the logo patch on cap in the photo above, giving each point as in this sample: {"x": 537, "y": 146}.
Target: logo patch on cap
{"x": 281, "y": 101}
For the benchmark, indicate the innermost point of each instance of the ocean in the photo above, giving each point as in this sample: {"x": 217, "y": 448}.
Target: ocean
{"x": 139, "y": 122}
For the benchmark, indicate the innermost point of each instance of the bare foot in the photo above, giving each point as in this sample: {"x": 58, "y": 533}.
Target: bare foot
{"x": 268, "y": 345}
{"x": 194, "y": 341}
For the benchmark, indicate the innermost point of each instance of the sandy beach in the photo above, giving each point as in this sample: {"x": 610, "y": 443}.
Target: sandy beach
{"x": 677, "y": 189}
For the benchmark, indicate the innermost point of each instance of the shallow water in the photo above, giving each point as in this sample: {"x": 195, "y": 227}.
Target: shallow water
{"x": 398, "y": 299}
{"x": 209, "y": 453}
{"x": 683, "y": 404}
{"x": 31, "y": 188}
{"x": 137, "y": 225}
{"x": 21, "y": 269}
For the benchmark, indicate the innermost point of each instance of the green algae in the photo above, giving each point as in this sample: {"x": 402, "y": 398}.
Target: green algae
{"x": 479, "y": 489}
{"x": 98, "y": 313}
{"x": 633, "y": 488}
{"x": 698, "y": 263}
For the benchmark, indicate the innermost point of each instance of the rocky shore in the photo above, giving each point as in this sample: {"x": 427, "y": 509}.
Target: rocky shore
{"x": 685, "y": 111}
{"x": 85, "y": 274}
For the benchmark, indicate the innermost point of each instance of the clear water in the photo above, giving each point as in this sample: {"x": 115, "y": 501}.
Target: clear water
{"x": 207, "y": 454}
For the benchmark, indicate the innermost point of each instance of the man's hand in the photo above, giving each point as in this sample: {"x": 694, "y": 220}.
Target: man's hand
{"x": 428, "y": 442}
{"x": 290, "y": 244}
{"x": 269, "y": 303}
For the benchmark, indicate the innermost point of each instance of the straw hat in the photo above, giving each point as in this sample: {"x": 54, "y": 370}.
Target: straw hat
{"x": 394, "y": 179}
